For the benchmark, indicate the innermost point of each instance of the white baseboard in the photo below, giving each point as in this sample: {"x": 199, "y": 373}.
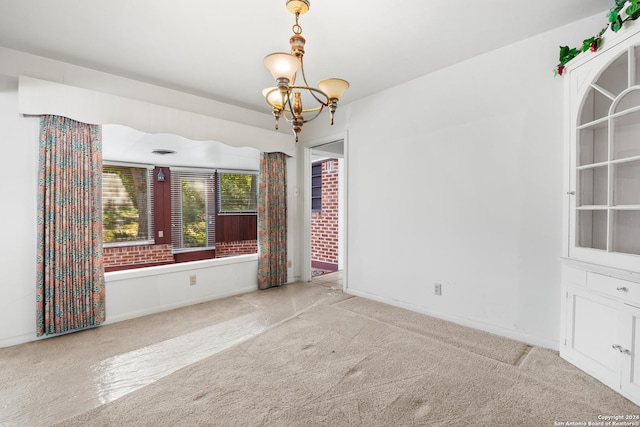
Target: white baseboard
{"x": 486, "y": 327}
{"x": 20, "y": 339}
{"x": 25, "y": 338}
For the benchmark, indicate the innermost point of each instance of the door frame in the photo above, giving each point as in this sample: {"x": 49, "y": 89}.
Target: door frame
{"x": 343, "y": 205}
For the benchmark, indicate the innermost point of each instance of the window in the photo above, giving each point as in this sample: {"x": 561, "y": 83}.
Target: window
{"x": 194, "y": 213}
{"x": 199, "y": 214}
{"x": 192, "y": 209}
{"x": 184, "y": 218}
{"x": 316, "y": 186}
{"x": 237, "y": 192}
{"x": 127, "y": 204}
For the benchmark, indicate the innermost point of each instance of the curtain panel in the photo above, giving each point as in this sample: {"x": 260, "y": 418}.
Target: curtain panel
{"x": 70, "y": 276}
{"x": 272, "y": 220}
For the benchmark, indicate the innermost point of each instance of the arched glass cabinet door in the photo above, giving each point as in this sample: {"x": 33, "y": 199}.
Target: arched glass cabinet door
{"x": 607, "y": 161}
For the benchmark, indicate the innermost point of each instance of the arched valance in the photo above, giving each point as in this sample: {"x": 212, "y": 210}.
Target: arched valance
{"x": 37, "y": 97}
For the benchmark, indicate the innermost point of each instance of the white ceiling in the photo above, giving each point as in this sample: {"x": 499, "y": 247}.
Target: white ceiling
{"x": 215, "y": 48}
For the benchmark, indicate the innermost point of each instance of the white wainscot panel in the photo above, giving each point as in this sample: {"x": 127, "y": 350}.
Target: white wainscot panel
{"x": 139, "y": 292}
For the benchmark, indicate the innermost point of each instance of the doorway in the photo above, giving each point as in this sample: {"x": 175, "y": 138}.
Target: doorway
{"x": 327, "y": 214}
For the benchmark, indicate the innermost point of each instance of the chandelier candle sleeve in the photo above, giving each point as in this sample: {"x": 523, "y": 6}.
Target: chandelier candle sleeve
{"x": 287, "y": 98}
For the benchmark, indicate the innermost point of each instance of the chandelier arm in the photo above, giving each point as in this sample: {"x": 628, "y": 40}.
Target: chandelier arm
{"x": 316, "y": 110}
{"x": 290, "y": 120}
{"x": 290, "y": 109}
{"x": 310, "y": 110}
{"x": 314, "y": 116}
{"x": 304, "y": 78}
{"x": 312, "y": 90}
{"x": 305, "y": 111}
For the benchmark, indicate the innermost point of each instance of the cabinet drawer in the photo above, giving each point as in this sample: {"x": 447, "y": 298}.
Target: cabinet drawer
{"x": 618, "y": 288}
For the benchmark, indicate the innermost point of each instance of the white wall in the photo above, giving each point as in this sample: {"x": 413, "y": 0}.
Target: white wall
{"x": 456, "y": 178}
{"x": 16, "y": 63}
{"x": 18, "y": 163}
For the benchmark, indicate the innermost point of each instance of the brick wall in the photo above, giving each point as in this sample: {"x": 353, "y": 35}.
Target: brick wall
{"x": 128, "y": 257}
{"x": 125, "y": 257}
{"x": 324, "y": 223}
{"x": 225, "y": 249}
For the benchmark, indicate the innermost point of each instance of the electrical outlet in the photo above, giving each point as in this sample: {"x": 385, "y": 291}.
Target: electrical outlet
{"x": 437, "y": 289}
{"x": 192, "y": 280}
{"x": 289, "y": 264}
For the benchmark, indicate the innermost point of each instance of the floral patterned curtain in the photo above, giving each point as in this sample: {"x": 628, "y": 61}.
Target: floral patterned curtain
{"x": 70, "y": 276}
{"x": 272, "y": 221}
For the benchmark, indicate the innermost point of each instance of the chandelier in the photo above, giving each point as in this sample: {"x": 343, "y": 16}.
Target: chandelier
{"x": 286, "y": 97}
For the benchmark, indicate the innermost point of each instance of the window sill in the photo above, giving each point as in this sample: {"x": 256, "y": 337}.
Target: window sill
{"x": 129, "y": 243}
{"x": 114, "y": 276}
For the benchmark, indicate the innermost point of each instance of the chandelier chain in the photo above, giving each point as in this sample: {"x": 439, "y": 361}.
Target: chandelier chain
{"x": 297, "y": 29}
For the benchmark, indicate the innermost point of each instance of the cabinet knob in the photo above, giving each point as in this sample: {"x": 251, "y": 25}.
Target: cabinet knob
{"x": 625, "y": 351}
{"x": 571, "y": 193}
{"x": 622, "y": 289}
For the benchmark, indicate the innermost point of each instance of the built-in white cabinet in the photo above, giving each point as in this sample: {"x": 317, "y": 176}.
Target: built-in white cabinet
{"x": 601, "y": 271}
{"x": 602, "y": 328}
{"x": 604, "y": 179}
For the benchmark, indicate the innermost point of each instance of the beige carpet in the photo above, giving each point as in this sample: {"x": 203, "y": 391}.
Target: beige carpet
{"x": 354, "y": 362}
{"x": 479, "y": 342}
